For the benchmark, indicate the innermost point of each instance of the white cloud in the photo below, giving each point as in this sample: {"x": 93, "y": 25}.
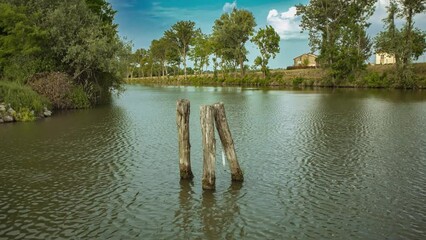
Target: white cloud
{"x": 228, "y": 7}
{"x": 286, "y": 24}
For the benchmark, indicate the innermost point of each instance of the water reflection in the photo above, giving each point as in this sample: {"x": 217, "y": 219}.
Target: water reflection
{"x": 184, "y": 215}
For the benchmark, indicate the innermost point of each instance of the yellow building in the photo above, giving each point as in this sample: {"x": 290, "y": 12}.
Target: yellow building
{"x": 384, "y": 58}
{"x": 307, "y": 60}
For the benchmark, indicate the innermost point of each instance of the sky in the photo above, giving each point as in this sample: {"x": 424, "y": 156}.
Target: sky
{"x": 141, "y": 21}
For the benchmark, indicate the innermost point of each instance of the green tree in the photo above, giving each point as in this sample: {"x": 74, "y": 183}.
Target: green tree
{"x": 21, "y": 42}
{"x": 159, "y": 53}
{"x": 180, "y": 36}
{"x": 409, "y": 8}
{"x": 201, "y": 51}
{"x": 104, "y": 10}
{"x": 388, "y": 41}
{"x": 140, "y": 56}
{"x": 230, "y": 33}
{"x": 83, "y": 49}
{"x": 406, "y": 44}
{"x": 65, "y": 36}
{"x": 337, "y": 28}
{"x": 268, "y": 42}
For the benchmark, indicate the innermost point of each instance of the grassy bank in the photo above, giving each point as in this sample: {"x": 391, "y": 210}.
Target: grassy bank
{"x": 27, "y": 102}
{"x": 376, "y": 76}
{"x": 23, "y": 103}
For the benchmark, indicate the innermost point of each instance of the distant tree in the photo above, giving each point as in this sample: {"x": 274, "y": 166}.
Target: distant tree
{"x": 141, "y": 58}
{"x": 268, "y": 42}
{"x": 230, "y": 33}
{"x": 180, "y": 36}
{"x": 159, "y": 53}
{"x": 337, "y": 28}
{"x": 201, "y": 51}
{"x": 406, "y": 44}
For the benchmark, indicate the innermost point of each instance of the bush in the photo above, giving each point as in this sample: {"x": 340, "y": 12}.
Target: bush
{"x": 375, "y": 80}
{"x": 24, "y": 115}
{"x": 22, "y": 97}
{"x": 297, "y": 81}
{"x": 60, "y": 90}
{"x": 54, "y": 86}
{"x": 300, "y": 67}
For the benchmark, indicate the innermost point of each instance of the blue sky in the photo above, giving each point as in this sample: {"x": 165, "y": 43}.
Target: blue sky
{"x": 141, "y": 21}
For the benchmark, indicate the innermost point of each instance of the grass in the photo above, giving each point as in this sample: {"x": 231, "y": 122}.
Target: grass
{"x": 22, "y": 99}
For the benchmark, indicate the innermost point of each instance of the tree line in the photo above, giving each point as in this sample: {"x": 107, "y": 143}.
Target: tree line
{"x": 337, "y": 32}
{"x": 225, "y": 47}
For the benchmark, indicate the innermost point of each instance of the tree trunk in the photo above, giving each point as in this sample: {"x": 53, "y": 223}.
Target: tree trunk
{"x": 227, "y": 142}
{"x": 152, "y": 69}
{"x": 182, "y": 121}
{"x": 184, "y": 62}
{"x": 242, "y": 67}
{"x": 222, "y": 68}
{"x": 209, "y": 147}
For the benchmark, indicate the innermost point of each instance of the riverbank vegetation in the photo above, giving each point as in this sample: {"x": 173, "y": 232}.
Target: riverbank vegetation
{"x": 375, "y": 76}
{"x": 337, "y": 33}
{"x": 60, "y": 54}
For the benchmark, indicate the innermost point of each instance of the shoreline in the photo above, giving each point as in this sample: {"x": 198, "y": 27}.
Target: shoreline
{"x": 375, "y": 77}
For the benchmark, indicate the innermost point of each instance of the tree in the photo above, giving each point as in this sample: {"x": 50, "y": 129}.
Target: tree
{"x": 104, "y": 10}
{"x": 201, "y": 51}
{"x": 230, "y": 33}
{"x": 65, "y": 36}
{"x": 337, "y": 28}
{"x": 268, "y": 42}
{"x": 83, "y": 48}
{"x": 159, "y": 53}
{"x": 141, "y": 59}
{"x": 180, "y": 36}
{"x": 406, "y": 44}
{"x": 409, "y": 8}
{"x": 21, "y": 42}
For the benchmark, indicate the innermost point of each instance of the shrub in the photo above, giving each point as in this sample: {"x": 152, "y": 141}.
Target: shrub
{"x": 60, "y": 90}
{"x": 375, "y": 80}
{"x": 54, "y": 86}
{"x": 297, "y": 81}
{"x": 25, "y": 115}
{"x": 300, "y": 67}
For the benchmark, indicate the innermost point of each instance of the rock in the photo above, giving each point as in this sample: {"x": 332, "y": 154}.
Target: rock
{"x": 8, "y": 118}
{"x": 2, "y": 108}
{"x": 11, "y": 112}
{"x": 1, "y": 120}
{"x": 47, "y": 113}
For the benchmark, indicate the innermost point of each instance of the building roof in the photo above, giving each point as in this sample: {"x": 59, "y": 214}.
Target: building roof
{"x": 309, "y": 54}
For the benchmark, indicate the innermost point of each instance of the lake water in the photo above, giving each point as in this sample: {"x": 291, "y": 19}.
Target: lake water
{"x": 318, "y": 164}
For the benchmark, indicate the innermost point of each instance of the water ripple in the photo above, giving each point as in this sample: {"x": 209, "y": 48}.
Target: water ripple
{"x": 318, "y": 165}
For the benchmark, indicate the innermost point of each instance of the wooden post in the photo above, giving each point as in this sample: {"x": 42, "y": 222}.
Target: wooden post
{"x": 209, "y": 147}
{"x": 227, "y": 142}
{"x": 182, "y": 121}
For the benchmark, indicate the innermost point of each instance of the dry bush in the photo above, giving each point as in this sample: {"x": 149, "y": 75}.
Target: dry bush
{"x": 54, "y": 86}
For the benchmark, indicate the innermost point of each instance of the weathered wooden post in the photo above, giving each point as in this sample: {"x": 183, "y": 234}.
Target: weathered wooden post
{"x": 227, "y": 142}
{"x": 182, "y": 121}
{"x": 209, "y": 147}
